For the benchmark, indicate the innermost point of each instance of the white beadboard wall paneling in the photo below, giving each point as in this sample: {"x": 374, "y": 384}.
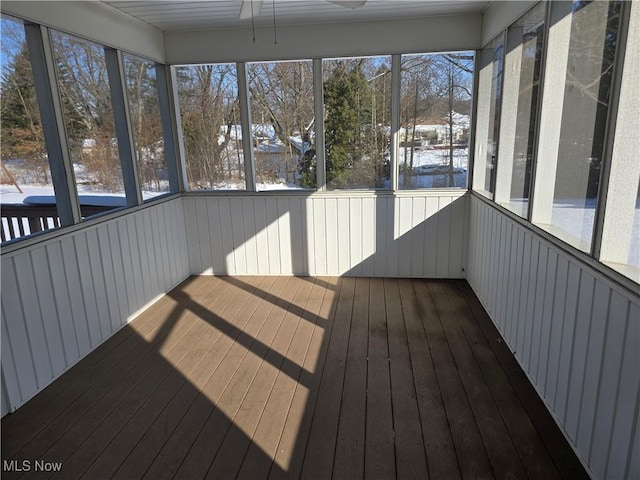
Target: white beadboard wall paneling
{"x": 434, "y": 34}
{"x": 65, "y": 295}
{"x": 574, "y": 328}
{"x": 418, "y": 234}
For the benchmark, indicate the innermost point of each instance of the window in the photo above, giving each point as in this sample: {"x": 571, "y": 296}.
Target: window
{"x": 582, "y": 46}
{"x": 146, "y": 125}
{"x": 621, "y": 235}
{"x": 435, "y": 117}
{"x": 25, "y": 167}
{"x": 357, "y": 104}
{"x": 210, "y": 114}
{"x": 282, "y": 123}
{"x": 489, "y": 107}
{"x": 525, "y": 41}
{"x": 88, "y": 114}
{"x": 620, "y": 243}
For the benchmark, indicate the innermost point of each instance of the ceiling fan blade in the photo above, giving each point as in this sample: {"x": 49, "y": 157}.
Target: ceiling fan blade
{"x": 349, "y": 3}
{"x": 250, "y": 8}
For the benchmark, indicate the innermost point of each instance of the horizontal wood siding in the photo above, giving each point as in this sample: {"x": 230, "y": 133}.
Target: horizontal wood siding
{"x": 360, "y": 235}
{"x": 574, "y": 332}
{"x": 63, "y": 297}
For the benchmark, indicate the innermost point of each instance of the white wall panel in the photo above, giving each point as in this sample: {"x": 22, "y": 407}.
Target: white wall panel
{"x": 500, "y": 15}
{"x": 95, "y": 21}
{"x": 574, "y": 331}
{"x": 64, "y": 296}
{"x": 433, "y": 34}
{"x": 421, "y": 235}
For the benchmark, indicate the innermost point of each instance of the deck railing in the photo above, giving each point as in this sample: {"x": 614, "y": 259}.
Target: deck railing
{"x": 19, "y": 220}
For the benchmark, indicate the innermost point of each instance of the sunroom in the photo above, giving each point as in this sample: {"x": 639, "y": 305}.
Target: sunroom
{"x": 315, "y": 238}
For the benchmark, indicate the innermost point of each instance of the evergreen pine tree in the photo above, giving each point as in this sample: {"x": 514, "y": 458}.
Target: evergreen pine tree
{"x": 347, "y": 101}
{"x": 19, "y": 114}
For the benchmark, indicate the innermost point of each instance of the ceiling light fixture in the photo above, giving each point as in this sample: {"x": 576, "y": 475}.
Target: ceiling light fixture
{"x": 250, "y": 8}
{"x": 349, "y": 3}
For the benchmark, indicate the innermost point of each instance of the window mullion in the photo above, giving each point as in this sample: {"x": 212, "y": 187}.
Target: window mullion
{"x": 181, "y": 158}
{"x": 318, "y": 109}
{"x": 126, "y": 145}
{"x": 555, "y": 72}
{"x": 509, "y": 114}
{"x": 619, "y": 182}
{"x": 53, "y": 125}
{"x": 169, "y": 132}
{"x": 245, "y": 122}
{"x": 395, "y": 119}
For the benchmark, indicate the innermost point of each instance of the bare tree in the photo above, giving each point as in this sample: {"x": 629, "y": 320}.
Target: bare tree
{"x": 208, "y": 99}
{"x": 282, "y": 96}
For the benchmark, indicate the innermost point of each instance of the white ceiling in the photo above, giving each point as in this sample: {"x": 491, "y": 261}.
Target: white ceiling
{"x": 189, "y": 15}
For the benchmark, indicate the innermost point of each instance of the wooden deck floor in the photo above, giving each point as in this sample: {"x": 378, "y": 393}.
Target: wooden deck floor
{"x": 282, "y": 377}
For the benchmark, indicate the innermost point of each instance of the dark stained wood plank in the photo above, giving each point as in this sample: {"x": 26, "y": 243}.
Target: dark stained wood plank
{"x": 196, "y": 440}
{"x": 214, "y": 343}
{"x": 559, "y": 450}
{"x": 349, "y": 459}
{"x": 232, "y": 451}
{"x": 441, "y": 455}
{"x": 119, "y": 352}
{"x": 262, "y": 450}
{"x": 290, "y": 452}
{"x": 497, "y": 441}
{"x": 223, "y": 361}
{"x": 379, "y": 449}
{"x": 110, "y": 444}
{"x": 249, "y": 377}
{"x": 472, "y": 457}
{"x": 132, "y": 368}
{"x": 524, "y": 435}
{"x": 320, "y": 449}
{"x": 96, "y": 432}
{"x": 205, "y": 449}
{"x": 411, "y": 461}
{"x": 75, "y": 436}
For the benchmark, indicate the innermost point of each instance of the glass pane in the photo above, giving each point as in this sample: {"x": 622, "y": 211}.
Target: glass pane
{"x": 86, "y": 101}
{"x": 209, "y": 110}
{"x": 634, "y": 243}
{"x": 357, "y": 104}
{"x": 282, "y": 123}
{"x": 489, "y": 106}
{"x": 146, "y": 125}
{"x": 435, "y": 116}
{"x": 525, "y": 41}
{"x": 592, "y": 46}
{"x": 25, "y": 175}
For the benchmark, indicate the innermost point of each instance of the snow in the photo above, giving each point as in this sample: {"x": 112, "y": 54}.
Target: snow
{"x": 279, "y": 186}
{"x": 39, "y": 195}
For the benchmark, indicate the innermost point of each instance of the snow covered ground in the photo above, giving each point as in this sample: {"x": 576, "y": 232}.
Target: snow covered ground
{"x": 44, "y": 195}
{"x": 36, "y": 194}
{"x": 575, "y": 222}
